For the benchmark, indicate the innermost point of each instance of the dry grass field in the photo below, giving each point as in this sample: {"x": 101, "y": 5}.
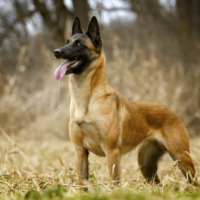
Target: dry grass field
{"x": 37, "y": 157}
{"x": 39, "y": 164}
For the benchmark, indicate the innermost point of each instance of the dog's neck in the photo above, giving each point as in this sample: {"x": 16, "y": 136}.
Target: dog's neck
{"x": 91, "y": 83}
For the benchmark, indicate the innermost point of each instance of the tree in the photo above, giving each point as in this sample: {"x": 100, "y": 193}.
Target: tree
{"x": 57, "y": 24}
{"x": 188, "y": 14}
{"x": 16, "y": 14}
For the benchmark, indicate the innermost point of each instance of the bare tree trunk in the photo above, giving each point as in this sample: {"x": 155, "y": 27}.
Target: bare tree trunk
{"x": 81, "y": 9}
{"x": 188, "y": 26}
{"x": 62, "y": 13}
{"x": 56, "y": 26}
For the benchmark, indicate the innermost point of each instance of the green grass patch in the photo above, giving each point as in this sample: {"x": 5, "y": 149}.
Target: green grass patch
{"x": 59, "y": 192}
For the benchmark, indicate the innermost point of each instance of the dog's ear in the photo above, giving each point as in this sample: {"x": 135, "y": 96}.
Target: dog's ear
{"x": 93, "y": 32}
{"x": 76, "y": 28}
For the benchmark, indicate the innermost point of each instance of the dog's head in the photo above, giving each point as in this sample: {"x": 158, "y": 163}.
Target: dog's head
{"x": 80, "y": 50}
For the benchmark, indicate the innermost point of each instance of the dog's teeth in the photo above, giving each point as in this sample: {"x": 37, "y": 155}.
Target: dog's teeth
{"x": 72, "y": 65}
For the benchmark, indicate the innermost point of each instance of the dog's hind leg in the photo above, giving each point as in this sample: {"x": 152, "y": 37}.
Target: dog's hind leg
{"x": 148, "y": 155}
{"x": 178, "y": 148}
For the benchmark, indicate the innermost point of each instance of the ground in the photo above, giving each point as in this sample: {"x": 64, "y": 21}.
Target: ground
{"x": 35, "y": 167}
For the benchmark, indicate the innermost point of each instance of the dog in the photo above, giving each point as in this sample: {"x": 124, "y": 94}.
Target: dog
{"x": 105, "y": 123}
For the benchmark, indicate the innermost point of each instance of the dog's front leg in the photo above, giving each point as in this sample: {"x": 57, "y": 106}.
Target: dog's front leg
{"x": 81, "y": 154}
{"x": 82, "y": 165}
{"x": 113, "y": 158}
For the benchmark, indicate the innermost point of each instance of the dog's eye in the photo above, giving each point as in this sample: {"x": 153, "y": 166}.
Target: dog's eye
{"x": 79, "y": 44}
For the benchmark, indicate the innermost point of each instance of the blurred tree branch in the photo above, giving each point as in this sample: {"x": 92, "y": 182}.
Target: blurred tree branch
{"x": 19, "y": 14}
{"x": 152, "y": 9}
{"x": 80, "y": 8}
{"x": 56, "y": 26}
{"x": 188, "y": 14}
{"x": 153, "y": 21}
{"x": 10, "y": 27}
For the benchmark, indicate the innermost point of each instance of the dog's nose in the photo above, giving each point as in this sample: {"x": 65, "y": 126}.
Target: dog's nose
{"x": 57, "y": 53}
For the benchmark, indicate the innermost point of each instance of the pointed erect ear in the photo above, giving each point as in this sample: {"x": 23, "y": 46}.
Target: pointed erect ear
{"x": 93, "y": 32}
{"x": 76, "y": 28}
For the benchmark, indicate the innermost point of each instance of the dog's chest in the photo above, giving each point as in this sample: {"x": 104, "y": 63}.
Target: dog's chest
{"x": 93, "y": 139}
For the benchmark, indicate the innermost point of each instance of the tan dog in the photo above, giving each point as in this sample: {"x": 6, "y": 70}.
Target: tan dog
{"x": 105, "y": 123}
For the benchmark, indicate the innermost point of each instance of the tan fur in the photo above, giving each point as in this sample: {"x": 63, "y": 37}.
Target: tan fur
{"x": 106, "y": 124}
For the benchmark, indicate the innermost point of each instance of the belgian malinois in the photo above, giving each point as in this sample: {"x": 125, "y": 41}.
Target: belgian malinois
{"x": 105, "y": 123}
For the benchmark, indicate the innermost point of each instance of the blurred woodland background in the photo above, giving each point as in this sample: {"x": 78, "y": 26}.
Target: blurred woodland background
{"x": 152, "y": 49}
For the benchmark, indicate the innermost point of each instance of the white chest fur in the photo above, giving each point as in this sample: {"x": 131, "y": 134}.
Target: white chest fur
{"x": 86, "y": 107}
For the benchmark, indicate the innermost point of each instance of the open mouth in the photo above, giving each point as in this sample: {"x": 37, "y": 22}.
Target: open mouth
{"x": 64, "y": 68}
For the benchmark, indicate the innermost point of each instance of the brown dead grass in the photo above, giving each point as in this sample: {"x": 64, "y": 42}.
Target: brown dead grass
{"x": 32, "y": 164}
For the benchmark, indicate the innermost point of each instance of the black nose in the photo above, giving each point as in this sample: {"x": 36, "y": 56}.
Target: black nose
{"x": 57, "y": 53}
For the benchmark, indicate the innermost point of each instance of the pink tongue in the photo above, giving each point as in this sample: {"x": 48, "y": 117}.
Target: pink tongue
{"x": 61, "y": 70}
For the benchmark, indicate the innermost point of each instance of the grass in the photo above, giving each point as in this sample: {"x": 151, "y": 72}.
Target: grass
{"x": 45, "y": 169}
